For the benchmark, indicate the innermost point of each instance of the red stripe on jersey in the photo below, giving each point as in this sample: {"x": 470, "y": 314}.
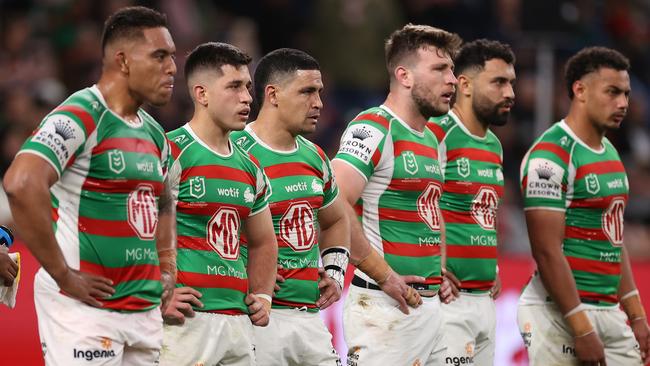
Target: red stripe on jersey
{"x": 594, "y": 266}
{"x": 115, "y": 229}
{"x": 127, "y": 144}
{"x": 376, "y": 156}
{"x": 126, "y": 303}
{"x": 417, "y": 149}
{"x": 293, "y": 304}
{"x": 176, "y": 151}
{"x": 460, "y": 187}
{"x": 209, "y": 208}
{"x": 291, "y": 169}
{"x": 476, "y": 285}
{"x": 224, "y": 312}
{"x": 410, "y": 184}
{"x": 280, "y": 207}
{"x": 358, "y": 209}
{"x": 254, "y": 159}
{"x": 437, "y": 130}
{"x": 410, "y": 250}
{"x": 308, "y": 274}
{"x": 55, "y": 214}
{"x": 119, "y": 185}
{"x": 71, "y": 161}
{"x": 320, "y": 152}
{"x": 472, "y": 251}
{"x": 399, "y": 215}
{"x": 553, "y": 148}
{"x": 219, "y": 172}
{"x": 596, "y": 202}
{"x": 193, "y": 243}
{"x": 201, "y": 280}
{"x": 601, "y": 167}
{"x": 599, "y": 297}
{"x": 574, "y": 232}
{"x": 134, "y": 272}
{"x": 374, "y": 118}
{"x": 433, "y": 280}
{"x": 85, "y": 117}
{"x": 474, "y": 154}
{"x": 454, "y": 217}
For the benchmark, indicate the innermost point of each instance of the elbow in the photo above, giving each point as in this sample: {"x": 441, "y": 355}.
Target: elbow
{"x": 544, "y": 255}
{"x": 13, "y": 185}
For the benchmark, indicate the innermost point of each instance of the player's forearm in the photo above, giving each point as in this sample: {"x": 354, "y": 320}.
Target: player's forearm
{"x": 557, "y": 278}
{"x": 627, "y": 278}
{"x": 335, "y": 231}
{"x": 262, "y": 266}
{"x": 359, "y": 246}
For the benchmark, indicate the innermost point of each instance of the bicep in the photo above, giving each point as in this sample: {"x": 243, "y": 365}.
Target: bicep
{"x": 330, "y": 215}
{"x": 259, "y": 227}
{"x": 545, "y": 229}
{"x": 350, "y": 182}
{"x": 32, "y": 168}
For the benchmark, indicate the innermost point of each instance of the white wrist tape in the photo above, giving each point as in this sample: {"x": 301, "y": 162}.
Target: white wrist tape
{"x": 265, "y": 297}
{"x": 629, "y": 294}
{"x": 335, "y": 261}
{"x": 578, "y": 308}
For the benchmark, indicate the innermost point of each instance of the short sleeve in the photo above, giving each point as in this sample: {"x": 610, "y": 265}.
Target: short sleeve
{"x": 361, "y": 146}
{"x": 544, "y": 180}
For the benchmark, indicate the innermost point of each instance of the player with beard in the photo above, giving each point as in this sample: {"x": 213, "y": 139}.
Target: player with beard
{"x": 575, "y": 190}
{"x": 471, "y": 160}
{"x": 388, "y": 172}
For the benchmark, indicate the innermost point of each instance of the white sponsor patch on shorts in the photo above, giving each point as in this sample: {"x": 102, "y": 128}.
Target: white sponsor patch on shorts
{"x": 62, "y": 135}
{"x": 544, "y": 179}
{"x": 361, "y": 141}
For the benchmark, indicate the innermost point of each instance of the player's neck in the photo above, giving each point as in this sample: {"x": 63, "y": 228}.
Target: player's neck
{"x": 467, "y": 117}
{"x": 404, "y": 108}
{"x": 210, "y": 133}
{"x": 272, "y": 131}
{"x": 579, "y": 123}
{"x": 118, "y": 99}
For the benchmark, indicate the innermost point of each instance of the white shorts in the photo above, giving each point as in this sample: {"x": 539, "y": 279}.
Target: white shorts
{"x": 548, "y": 341}
{"x": 469, "y": 328}
{"x": 294, "y": 338}
{"x": 73, "y": 333}
{"x": 378, "y": 333}
{"x": 209, "y": 339}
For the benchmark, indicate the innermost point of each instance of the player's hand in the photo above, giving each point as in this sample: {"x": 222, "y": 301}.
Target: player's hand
{"x": 278, "y": 279}
{"x": 396, "y": 287}
{"x": 259, "y": 310}
{"x": 168, "y": 283}
{"x": 495, "y": 291}
{"x": 8, "y": 268}
{"x": 590, "y": 350}
{"x": 180, "y": 306}
{"x": 642, "y": 335}
{"x": 85, "y": 287}
{"x": 330, "y": 291}
{"x": 449, "y": 287}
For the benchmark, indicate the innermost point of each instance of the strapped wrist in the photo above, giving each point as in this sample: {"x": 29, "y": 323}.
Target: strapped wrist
{"x": 632, "y": 306}
{"x": 375, "y": 267}
{"x": 167, "y": 260}
{"x": 335, "y": 262}
{"x": 579, "y": 322}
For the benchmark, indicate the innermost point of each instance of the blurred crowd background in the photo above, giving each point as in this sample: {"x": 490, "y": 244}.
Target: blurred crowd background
{"x": 51, "y": 48}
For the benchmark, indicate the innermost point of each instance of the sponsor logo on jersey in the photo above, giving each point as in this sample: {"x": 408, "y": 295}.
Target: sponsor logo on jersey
{"x": 463, "y": 167}
{"x": 180, "y": 139}
{"x": 225, "y": 271}
{"x": 61, "y": 135}
{"x": 591, "y": 182}
{"x": 249, "y": 197}
{"x": 484, "y": 208}
{"x": 241, "y": 141}
{"x": 427, "y": 205}
{"x": 228, "y": 192}
{"x": 499, "y": 174}
{"x": 297, "y": 226}
{"x": 223, "y": 233}
{"x": 611, "y": 257}
{"x": 568, "y": 350}
{"x": 410, "y": 162}
{"x": 116, "y": 161}
{"x": 612, "y": 221}
{"x": 142, "y": 211}
{"x": 296, "y": 187}
{"x": 361, "y": 141}
{"x": 138, "y": 254}
{"x": 445, "y": 120}
{"x": 432, "y": 168}
{"x": 197, "y": 186}
{"x": 527, "y": 334}
{"x": 544, "y": 179}
{"x": 483, "y": 240}
{"x": 485, "y": 173}
{"x": 564, "y": 141}
{"x": 316, "y": 186}
{"x": 616, "y": 183}
{"x": 106, "y": 351}
{"x": 145, "y": 166}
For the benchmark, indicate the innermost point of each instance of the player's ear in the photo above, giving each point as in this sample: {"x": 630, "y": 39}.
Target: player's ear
{"x": 403, "y": 76}
{"x": 579, "y": 90}
{"x": 271, "y": 94}
{"x": 465, "y": 85}
{"x": 122, "y": 61}
{"x": 200, "y": 94}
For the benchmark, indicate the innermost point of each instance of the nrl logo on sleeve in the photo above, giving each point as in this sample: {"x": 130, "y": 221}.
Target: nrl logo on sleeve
{"x": 591, "y": 181}
{"x": 116, "y": 162}
{"x": 410, "y": 163}
{"x": 463, "y": 167}
{"x": 197, "y": 186}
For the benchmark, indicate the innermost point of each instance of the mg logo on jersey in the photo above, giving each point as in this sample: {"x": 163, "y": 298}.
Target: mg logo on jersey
{"x": 428, "y": 206}
{"x": 463, "y": 167}
{"x": 410, "y": 164}
{"x": 612, "y": 221}
{"x": 142, "y": 211}
{"x": 591, "y": 181}
{"x": 297, "y": 226}
{"x": 116, "y": 161}
{"x": 223, "y": 233}
{"x": 484, "y": 207}
{"x": 197, "y": 186}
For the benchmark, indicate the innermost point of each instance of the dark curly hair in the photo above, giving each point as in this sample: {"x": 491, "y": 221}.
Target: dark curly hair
{"x": 474, "y": 55}
{"x": 591, "y": 59}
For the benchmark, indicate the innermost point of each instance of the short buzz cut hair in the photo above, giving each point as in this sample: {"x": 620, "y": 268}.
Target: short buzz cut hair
{"x": 412, "y": 37}
{"x": 591, "y": 59}
{"x": 212, "y": 56}
{"x": 129, "y": 22}
{"x": 278, "y": 64}
{"x": 474, "y": 55}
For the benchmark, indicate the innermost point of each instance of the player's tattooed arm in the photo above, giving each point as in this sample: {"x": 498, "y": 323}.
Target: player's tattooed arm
{"x": 166, "y": 242}
{"x": 631, "y": 300}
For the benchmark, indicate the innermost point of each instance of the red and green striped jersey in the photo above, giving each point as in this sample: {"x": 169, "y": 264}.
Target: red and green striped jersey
{"x": 214, "y": 194}
{"x": 302, "y": 184}
{"x": 472, "y": 167}
{"x": 105, "y": 203}
{"x": 560, "y": 172}
{"x": 399, "y": 206}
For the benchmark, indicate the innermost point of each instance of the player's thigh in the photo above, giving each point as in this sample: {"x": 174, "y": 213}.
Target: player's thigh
{"x": 621, "y": 348}
{"x": 316, "y": 343}
{"x": 545, "y": 336}
{"x": 458, "y": 327}
{"x": 271, "y": 342}
{"x": 144, "y": 338}
{"x": 239, "y": 338}
{"x": 199, "y": 340}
